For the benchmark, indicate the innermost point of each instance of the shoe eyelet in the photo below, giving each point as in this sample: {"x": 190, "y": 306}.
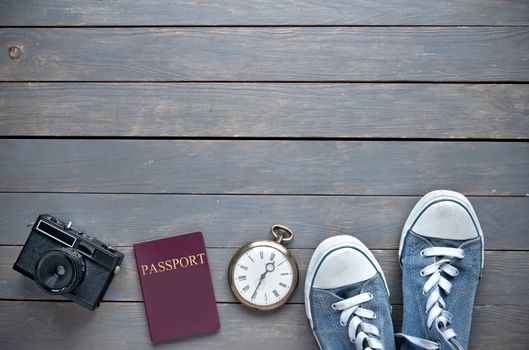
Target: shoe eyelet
{"x": 343, "y": 324}
{"x": 374, "y": 316}
{"x": 333, "y": 306}
{"x": 371, "y": 296}
{"x": 422, "y": 252}
{"x": 457, "y": 273}
{"x": 423, "y": 292}
{"x": 352, "y": 341}
{"x": 421, "y": 273}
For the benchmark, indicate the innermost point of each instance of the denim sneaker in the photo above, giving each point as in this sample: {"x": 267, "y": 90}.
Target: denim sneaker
{"x": 441, "y": 256}
{"x": 347, "y": 298}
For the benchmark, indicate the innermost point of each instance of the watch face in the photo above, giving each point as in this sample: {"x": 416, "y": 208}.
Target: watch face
{"x": 263, "y": 276}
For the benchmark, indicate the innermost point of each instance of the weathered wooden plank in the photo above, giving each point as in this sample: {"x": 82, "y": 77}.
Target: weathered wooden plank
{"x": 266, "y": 110}
{"x": 252, "y": 12}
{"x": 506, "y": 269}
{"x": 263, "y": 167}
{"x": 266, "y": 54}
{"x": 228, "y": 221}
{"x": 123, "y": 325}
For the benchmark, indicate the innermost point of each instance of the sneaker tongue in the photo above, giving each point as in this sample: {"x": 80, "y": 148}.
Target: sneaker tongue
{"x": 348, "y": 291}
{"x": 437, "y": 242}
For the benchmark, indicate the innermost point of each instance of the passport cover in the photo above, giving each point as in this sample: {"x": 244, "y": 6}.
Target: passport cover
{"x": 176, "y": 286}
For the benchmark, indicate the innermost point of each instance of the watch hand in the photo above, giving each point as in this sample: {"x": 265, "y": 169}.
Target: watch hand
{"x": 263, "y": 276}
{"x": 258, "y": 284}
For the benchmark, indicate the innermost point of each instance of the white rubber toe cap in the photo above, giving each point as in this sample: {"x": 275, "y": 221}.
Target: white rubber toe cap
{"x": 343, "y": 267}
{"x": 445, "y": 219}
{"x": 443, "y": 214}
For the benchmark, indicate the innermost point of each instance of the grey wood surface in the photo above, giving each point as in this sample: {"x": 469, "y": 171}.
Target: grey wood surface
{"x": 262, "y": 12}
{"x": 266, "y": 110}
{"x": 142, "y": 120}
{"x": 264, "y": 167}
{"x": 64, "y": 323}
{"x": 231, "y": 220}
{"x": 266, "y": 54}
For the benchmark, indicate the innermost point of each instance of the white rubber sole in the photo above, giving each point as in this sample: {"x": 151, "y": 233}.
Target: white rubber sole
{"x": 321, "y": 251}
{"x": 436, "y": 196}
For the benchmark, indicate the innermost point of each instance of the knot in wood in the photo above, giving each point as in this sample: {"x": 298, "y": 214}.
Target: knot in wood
{"x": 14, "y": 52}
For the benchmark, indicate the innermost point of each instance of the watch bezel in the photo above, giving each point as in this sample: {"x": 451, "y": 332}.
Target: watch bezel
{"x": 252, "y": 245}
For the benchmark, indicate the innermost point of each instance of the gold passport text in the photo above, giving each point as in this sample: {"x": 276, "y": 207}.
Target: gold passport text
{"x": 173, "y": 264}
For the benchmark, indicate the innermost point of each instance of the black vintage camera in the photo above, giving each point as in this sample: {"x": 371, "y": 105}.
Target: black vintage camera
{"x": 64, "y": 261}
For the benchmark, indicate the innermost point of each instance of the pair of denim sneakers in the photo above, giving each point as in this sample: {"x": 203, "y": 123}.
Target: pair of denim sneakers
{"x": 441, "y": 257}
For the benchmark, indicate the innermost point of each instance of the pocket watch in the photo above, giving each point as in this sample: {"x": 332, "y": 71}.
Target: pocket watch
{"x": 263, "y": 274}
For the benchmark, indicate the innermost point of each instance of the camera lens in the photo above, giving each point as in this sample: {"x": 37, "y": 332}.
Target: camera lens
{"x": 59, "y": 271}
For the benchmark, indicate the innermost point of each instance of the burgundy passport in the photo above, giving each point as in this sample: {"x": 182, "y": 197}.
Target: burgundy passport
{"x": 176, "y": 286}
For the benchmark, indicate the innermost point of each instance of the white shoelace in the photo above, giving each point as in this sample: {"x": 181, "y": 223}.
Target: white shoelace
{"x": 435, "y": 305}
{"x": 360, "y": 332}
